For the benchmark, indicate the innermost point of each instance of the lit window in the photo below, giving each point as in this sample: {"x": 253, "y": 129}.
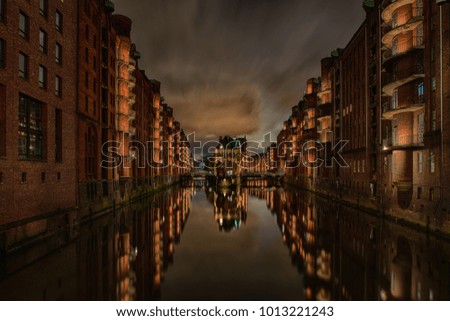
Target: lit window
{"x": 432, "y": 163}
{"x": 42, "y": 41}
{"x": 419, "y": 162}
{"x": 42, "y": 77}
{"x": 23, "y": 65}
{"x": 394, "y": 100}
{"x": 23, "y": 25}
{"x": 420, "y": 92}
{"x": 30, "y": 128}
{"x": 431, "y": 194}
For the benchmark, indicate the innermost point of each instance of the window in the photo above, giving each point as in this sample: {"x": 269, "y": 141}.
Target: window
{"x": 58, "y": 135}
{"x": 86, "y": 55}
{"x": 58, "y": 86}
{"x": 42, "y": 77}
{"x": 2, "y": 10}
{"x": 420, "y": 92}
{"x": 30, "y": 128}
{"x": 2, "y": 53}
{"x": 433, "y": 119}
{"x": 395, "y": 46}
{"x": 431, "y": 195}
{"x": 433, "y": 83}
{"x": 419, "y": 193}
{"x": 2, "y": 121}
{"x": 419, "y": 162}
{"x": 90, "y": 160}
{"x": 23, "y": 65}
{"x": 42, "y": 41}
{"x": 432, "y": 163}
{"x": 58, "y": 54}
{"x": 23, "y": 25}
{"x": 43, "y": 7}
{"x": 394, "y": 101}
{"x": 59, "y": 21}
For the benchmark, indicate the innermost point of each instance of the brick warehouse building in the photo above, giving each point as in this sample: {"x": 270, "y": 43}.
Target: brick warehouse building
{"x": 69, "y": 80}
{"x": 37, "y": 108}
{"x": 392, "y": 111}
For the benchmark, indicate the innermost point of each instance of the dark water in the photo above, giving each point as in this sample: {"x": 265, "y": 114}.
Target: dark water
{"x": 248, "y": 244}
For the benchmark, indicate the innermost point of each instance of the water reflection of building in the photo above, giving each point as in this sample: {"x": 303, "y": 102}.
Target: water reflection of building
{"x": 347, "y": 254}
{"x": 230, "y": 207}
{"x": 128, "y": 254}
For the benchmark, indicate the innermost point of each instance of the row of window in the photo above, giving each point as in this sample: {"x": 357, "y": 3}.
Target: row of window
{"x": 24, "y": 24}
{"x": 43, "y": 46}
{"x": 24, "y": 177}
{"x": 32, "y": 122}
{"x": 24, "y": 62}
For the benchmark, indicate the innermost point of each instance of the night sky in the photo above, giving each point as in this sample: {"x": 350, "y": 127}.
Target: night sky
{"x": 237, "y": 67}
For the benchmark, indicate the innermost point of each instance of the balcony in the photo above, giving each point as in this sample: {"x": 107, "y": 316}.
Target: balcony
{"x": 411, "y": 104}
{"x": 132, "y": 131}
{"x": 132, "y": 115}
{"x": 131, "y": 99}
{"x": 132, "y": 78}
{"x": 123, "y": 124}
{"x": 404, "y": 22}
{"x": 390, "y": 6}
{"x": 400, "y": 77}
{"x": 403, "y": 48}
{"x": 403, "y": 142}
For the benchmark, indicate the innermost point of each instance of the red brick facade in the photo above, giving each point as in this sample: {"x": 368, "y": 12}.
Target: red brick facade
{"x": 43, "y": 162}
{"x": 385, "y": 89}
{"x": 70, "y": 84}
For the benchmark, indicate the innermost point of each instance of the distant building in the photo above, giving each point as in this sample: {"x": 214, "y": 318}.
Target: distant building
{"x": 229, "y": 156}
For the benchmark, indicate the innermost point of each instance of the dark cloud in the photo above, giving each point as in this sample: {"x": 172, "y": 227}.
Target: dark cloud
{"x": 237, "y": 66}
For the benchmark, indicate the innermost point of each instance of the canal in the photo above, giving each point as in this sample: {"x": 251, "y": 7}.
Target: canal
{"x": 254, "y": 243}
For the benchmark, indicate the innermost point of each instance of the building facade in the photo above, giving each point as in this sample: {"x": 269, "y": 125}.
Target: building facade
{"x": 384, "y": 95}
{"x": 37, "y": 109}
{"x": 81, "y": 125}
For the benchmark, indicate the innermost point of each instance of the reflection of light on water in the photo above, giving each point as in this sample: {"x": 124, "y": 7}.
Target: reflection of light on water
{"x": 383, "y": 295}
